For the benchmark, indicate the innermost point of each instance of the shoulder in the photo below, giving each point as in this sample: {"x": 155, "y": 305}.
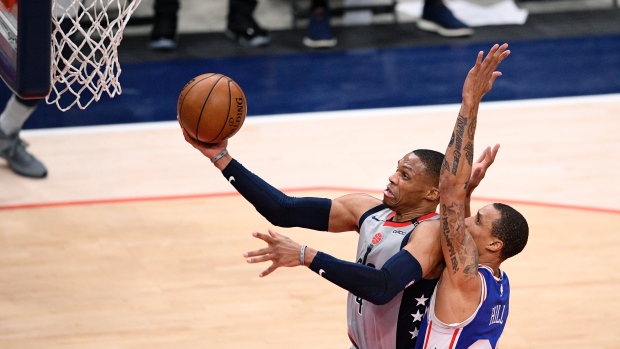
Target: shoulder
{"x": 347, "y": 210}
{"x": 426, "y": 230}
{"x": 357, "y": 202}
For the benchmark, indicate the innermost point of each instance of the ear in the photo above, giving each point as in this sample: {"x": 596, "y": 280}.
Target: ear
{"x": 495, "y": 245}
{"x": 433, "y": 194}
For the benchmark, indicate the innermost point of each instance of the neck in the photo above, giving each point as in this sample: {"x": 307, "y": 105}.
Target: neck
{"x": 493, "y": 264}
{"x": 404, "y": 216}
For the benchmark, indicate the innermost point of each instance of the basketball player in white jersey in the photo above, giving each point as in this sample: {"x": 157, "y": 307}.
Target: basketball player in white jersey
{"x": 470, "y": 305}
{"x": 381, "y": 312}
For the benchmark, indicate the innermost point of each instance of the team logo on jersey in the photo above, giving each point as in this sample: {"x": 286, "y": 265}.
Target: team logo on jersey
{"x": 377, "y": 238}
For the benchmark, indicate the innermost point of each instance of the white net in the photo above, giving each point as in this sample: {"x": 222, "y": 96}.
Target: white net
{"x": 85, "y": 39}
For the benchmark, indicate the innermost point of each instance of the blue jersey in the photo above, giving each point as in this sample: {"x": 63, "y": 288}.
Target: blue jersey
{"x": 482, "y": 330}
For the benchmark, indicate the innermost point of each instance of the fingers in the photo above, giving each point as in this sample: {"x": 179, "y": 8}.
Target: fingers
{"x": 497, "y": 54}
{"x": 479, "y": 58}
{"x": 269, "y": 270}
{"x": 494, "y": 76}
{"x": 259, "y": 258}
{"x": 274, "y": 234}
{"x": 495, "y": 150}
{"x": 268, "y": 239}
{"x": 483, "y": 155}
{"x": 260, "y": 252}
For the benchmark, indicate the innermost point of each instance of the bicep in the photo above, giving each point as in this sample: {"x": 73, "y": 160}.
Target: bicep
{"x": 425, "y": 245}
{"x": 348, "y": 209}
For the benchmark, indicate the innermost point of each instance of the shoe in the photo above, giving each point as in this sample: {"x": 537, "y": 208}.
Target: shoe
{"x": 164, "y": 35}
{"x": 319, "y": 34}
{"x": 13, "y": 149}
{"x": 437, "y": 18}
{"x": 244, "y": 30}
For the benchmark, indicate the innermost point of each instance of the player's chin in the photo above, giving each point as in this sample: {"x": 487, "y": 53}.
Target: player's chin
{"x": 389, "y": 202}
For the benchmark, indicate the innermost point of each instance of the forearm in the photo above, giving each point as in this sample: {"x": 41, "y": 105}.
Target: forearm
{"x": 278, "y": 208}
{"x": 378, "y": 286}
{"x": 459, "y": 154}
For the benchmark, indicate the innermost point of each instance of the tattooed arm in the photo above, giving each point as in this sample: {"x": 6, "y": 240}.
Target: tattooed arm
{"x": 458, "y": 293}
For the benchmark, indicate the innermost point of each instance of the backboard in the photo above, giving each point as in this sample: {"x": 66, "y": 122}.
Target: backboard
{"x": 25, "y": 46}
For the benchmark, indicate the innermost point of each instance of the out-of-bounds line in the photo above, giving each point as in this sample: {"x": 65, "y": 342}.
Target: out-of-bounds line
{"x": 289, "y": 190}
{"x": 340, "y": 114}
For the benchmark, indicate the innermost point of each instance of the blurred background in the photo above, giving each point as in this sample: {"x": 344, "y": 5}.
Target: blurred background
{"x": 560, "y": 48}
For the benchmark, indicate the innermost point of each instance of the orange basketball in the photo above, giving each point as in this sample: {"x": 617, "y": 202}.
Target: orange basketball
{"x": 211, "y": 108}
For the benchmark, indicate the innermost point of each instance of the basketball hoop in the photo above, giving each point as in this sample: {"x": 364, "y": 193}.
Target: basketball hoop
{"x": 85, "y": 39}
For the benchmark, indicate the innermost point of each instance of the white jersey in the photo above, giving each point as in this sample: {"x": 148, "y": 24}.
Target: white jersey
{"x": 482, "y": 329}
{"x": 394, "y": 325}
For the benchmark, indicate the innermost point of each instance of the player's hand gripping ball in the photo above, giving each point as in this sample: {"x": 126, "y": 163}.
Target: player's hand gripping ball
{"x": 211, "y": 108}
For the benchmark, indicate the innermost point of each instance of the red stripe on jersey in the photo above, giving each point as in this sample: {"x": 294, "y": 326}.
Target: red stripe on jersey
{"x": 396, "y": 224}
{"x": 428, "y": 333}
{"x": 390, "y": 223}
{"x": 456, "y": 334}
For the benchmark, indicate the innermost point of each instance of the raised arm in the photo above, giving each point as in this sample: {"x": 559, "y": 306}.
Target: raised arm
{"x": 338, "y": 215}
{"x": 458, "y": 247}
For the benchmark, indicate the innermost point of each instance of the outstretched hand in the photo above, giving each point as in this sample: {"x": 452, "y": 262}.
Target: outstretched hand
{"x": 209, "y": 150}
{"x": 280, "y": 250}
{"x": 479, "y": 168}
{"x": 481, "y": 77}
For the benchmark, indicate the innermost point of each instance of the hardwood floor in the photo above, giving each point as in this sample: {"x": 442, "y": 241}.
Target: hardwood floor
{"x": 136, "y": 241}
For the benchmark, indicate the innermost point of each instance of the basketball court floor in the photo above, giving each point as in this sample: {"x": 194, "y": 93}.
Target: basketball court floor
{"x": 135, "y": 240}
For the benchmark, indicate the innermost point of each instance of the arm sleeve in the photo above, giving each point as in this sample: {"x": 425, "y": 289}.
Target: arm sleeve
{"x": 279, "y": 209}
{"x": 378, "y": 286}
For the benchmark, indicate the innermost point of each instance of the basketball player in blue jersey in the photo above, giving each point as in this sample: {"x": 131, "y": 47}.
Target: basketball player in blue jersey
{"x": 383, "y": 316}
{"x": 470, "y": 305}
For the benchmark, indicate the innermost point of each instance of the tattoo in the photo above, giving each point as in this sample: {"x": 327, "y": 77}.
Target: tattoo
{"x": 448, "y": 213}
{"x": 461, "y": 246}
{"x": 451, "y": 140}
{"x": 445, "y": 166}
{"x": 469, "y": 153}
{"x": 461, "y": 122}
{"x": 460, "y": 129}
{"x": 471, "y": 130}
{"x": 466, "y": 184}
{"x": 455, "y": 162}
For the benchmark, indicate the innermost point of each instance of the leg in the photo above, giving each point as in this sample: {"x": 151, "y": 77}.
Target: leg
{"x": 12, "y": 148}
{"x": 242, "y": 27}
{"x": 319, "y": 33}
{"x": 436, "y": 17}
{"x": 164, "y": 34}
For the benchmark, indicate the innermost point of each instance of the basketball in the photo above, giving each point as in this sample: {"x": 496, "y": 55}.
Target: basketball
{"x": 211, "y": 108}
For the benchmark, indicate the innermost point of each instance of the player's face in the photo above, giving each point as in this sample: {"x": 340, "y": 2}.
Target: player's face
{"x": 408, "y": 186}
{"x": 480, "y": 226}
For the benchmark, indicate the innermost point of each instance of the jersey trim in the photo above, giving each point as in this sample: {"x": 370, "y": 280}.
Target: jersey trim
{"x": 368, "y": 213}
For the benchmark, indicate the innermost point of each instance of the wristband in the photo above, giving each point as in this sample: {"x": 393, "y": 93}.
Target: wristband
{"x": 302, "y": 253}
{"x": 220, "y": 155}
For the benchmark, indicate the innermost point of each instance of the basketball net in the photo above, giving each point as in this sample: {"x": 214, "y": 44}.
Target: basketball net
{"x": 85, "y": 39}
